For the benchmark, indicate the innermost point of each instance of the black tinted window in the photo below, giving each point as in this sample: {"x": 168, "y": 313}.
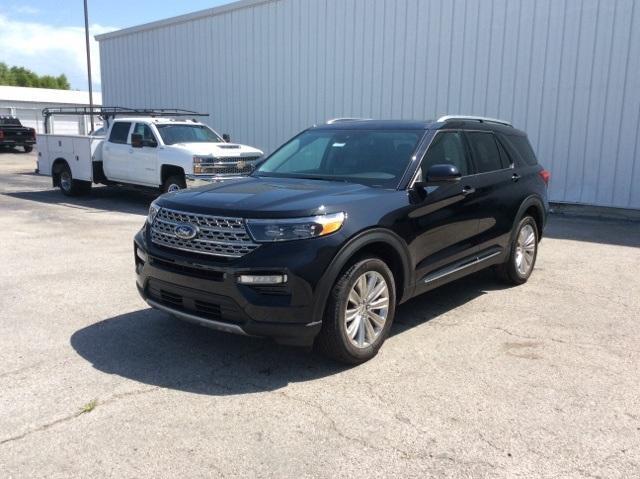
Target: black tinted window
{"x": 523, "y": 147}
{"x": 485, "y": 152}
{"x": 119, "y": 132}
{"x": 447, "y": 148}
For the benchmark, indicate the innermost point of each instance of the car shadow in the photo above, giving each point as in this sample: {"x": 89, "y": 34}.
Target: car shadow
{"x": 112, "y": 198}
{"x": 152, "y": 348}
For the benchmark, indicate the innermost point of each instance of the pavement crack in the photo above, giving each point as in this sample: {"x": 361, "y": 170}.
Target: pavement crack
{"x": 80, "y": 412}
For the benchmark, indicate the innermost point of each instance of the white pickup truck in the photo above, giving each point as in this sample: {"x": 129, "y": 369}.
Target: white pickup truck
{"x": 149, "y": 151}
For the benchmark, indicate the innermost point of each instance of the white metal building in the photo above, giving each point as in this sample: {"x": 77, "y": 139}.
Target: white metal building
{"x": 566, "y": 71}
{"x": 27, "y": 104}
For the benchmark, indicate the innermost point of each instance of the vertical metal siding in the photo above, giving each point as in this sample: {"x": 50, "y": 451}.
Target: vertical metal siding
{"x": 565, "y": 71}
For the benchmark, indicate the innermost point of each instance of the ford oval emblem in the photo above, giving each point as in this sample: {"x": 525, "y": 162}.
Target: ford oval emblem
{"x": 186, "y": 231}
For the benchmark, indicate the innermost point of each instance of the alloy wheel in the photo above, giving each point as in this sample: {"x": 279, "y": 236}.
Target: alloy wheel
{"x": 65, "y": 180}
{"x": 367, "y": 309}
{"x": 525, "y": 249}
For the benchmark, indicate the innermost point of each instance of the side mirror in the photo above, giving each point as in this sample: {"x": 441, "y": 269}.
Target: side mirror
{"x": 136, "y": 140}
{"x": 226, "y": 137}
{"x": 441, "y": 174}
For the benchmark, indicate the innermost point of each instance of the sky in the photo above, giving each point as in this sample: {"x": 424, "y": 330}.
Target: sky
{"x": 47, "y": 36}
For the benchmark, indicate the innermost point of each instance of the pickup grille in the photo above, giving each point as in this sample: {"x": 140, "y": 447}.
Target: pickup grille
{"x": 216, "y": 235}
{"x": 233, "y": 166}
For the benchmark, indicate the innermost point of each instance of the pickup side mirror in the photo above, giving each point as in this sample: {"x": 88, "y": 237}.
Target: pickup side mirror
{"x": 438, "y": 175}
{"x": 226, "y": 137}
{"x": 136, "y": 140}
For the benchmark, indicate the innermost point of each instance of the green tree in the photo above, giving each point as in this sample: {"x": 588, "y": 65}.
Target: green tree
{"x": 20, "y": 76}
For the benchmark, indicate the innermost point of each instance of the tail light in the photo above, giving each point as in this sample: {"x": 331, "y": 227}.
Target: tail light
{"x": 546, "y": 176}
{"x": 1, "y": 134}
{"x": 33, "y": 133}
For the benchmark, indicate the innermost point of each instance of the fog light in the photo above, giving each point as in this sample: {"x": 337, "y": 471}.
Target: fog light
{"x": 141, "y": 254}
{"x": 262, "y": 279}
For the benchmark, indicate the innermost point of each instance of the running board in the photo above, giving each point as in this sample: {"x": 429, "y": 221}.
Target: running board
{"x": 462, "y": 265}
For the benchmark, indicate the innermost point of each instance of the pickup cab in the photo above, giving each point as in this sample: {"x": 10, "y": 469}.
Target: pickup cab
{"x": 155, "y": 152}
{"x": 13, "y": 134}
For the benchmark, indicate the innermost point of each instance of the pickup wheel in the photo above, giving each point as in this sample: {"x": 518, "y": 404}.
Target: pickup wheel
{"x": 174, "y": 183}
{"x": 524, "y": 251}
{"x": 359, "y": 312}
{"x": 69, "y": 186}
{"x": 27, "y": 148}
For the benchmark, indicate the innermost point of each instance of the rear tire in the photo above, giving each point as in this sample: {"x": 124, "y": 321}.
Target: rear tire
{"x": 69, "y": 186}
{"x": 27, "y": 148}
{"x": 524, "y": 251}
{"x": 359, "y": 313}
{"x": 174, "y": 183}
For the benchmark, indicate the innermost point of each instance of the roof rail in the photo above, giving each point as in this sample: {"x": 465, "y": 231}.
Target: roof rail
{"x": 107, "y": 112}
{"x": 481, "y": 119}
{"x": 340, "y": 120}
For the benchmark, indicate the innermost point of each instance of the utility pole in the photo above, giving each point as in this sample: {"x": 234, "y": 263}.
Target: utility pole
{"x": 86, "y": 37}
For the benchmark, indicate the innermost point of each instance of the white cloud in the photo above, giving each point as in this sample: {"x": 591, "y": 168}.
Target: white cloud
{"x": 50, "y": 50}
{"x": 26, "y": 10}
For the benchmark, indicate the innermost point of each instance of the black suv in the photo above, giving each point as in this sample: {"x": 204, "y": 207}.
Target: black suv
{"x": 341, "y": 224}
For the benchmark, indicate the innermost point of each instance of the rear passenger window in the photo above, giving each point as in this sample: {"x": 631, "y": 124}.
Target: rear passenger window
{"x": 120, "y": 132}
{"x": 485, "y": 152}
{"x": 523, "y": 147}
{"x": 447, "y": 148}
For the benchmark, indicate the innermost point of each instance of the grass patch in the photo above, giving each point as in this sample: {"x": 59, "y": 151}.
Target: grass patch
{"x": 90, "y": 406}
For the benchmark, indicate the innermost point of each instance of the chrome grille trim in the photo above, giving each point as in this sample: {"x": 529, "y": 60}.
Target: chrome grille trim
{"x": 217, "y": 236}
{"x": 228, "y": 166}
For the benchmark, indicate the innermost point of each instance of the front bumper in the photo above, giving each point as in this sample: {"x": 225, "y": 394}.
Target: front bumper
{"x": 206, "y": 293}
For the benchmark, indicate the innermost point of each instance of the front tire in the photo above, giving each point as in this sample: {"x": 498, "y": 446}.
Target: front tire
{"x": 359, "y": 313}
{"x": 524, "y": 251}
{"x": 174, "y": 183}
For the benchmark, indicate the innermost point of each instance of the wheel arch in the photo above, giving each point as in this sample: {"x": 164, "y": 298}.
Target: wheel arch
{"x": 56, "y": 167}
{"x": 533, "y": 206}
{"x": 381, "y": 243}
{"x": 169, "y": 170}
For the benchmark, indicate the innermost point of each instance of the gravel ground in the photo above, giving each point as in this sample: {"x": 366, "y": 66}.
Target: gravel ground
{"x": 477, "y": 380}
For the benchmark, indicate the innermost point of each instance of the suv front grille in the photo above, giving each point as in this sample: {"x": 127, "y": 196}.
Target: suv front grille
{"x": 216, "y": 235}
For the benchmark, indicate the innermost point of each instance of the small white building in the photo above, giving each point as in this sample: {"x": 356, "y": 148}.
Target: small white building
{"x": 27, "y": 104}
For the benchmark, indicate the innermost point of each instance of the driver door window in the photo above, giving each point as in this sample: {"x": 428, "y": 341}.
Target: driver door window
{"x": 447, "y": 148}
{"x": 148, "y": 139}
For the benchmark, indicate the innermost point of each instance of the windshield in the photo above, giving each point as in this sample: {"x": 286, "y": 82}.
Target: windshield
{"x": 376, "y": 158}
{"x": 172, "y": 134}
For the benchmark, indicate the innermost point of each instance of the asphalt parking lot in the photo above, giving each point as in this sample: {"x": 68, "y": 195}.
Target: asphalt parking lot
{"x": 477, "y": 380}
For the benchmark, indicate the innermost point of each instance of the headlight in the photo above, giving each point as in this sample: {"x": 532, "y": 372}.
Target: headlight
{"x": 153, "y": 212}
{"x": 197, "y": 164}
{"x": 295, "y": 228}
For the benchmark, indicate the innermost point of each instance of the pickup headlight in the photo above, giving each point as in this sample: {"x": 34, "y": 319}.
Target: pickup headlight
{"x": 295, "y": 228}
{"x": 153, "y": 212}
{"x": 197, "y": 165}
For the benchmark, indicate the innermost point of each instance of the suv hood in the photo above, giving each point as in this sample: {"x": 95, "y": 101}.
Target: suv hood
{"x": 218, "y": 150}
{"x": 255, "y": 197}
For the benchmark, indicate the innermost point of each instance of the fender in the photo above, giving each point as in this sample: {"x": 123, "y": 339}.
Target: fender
{"x": 355, "y": 244}
{"x": 532, "y": 200}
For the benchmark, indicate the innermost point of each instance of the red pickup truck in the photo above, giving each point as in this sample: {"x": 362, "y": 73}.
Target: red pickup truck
{"x": 13, "y": 134}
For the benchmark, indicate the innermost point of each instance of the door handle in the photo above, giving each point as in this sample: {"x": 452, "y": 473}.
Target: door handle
{"x": 130, "y": 150}
{"x": 468, "y": 190}
{"x": 515, "y": 177}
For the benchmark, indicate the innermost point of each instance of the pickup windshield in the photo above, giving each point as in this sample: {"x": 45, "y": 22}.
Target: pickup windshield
{"x": 172, "y": 134}
{"x": 376, "y": 158}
